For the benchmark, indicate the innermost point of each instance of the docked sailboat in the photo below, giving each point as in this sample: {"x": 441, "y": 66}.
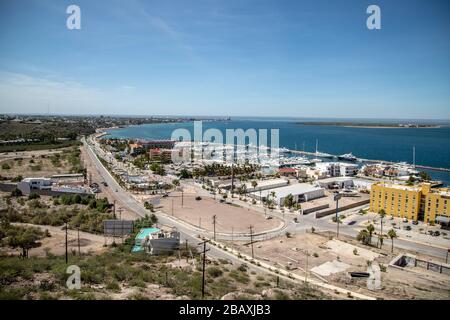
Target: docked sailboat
{"x": 319, "y": 154}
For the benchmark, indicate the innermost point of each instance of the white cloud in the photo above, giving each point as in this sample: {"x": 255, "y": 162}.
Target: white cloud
{"x": 24, "y": 93}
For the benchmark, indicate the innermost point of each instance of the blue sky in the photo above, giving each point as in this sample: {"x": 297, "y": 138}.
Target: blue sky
{"x": 310, "y": 58}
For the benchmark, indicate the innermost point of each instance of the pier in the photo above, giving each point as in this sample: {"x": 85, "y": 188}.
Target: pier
{"x": 439, "y": 169}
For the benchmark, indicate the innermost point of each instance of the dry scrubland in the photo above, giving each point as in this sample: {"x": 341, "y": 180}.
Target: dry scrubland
{"x": 330, "y": 255}
{"x": 44, "y": 163}
{"x": 115, "y": 273}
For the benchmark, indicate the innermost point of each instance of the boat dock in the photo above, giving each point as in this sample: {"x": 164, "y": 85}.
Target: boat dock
{"x": 373, "y": 161}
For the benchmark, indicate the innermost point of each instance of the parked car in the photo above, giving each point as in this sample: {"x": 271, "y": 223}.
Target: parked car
{"x": 408, "y": 228}
{"x": 430, "y": 232}
{"x": 104, "y": 183}
{"x": 351, "y": 223}
{"x": 436, "y": 234}
{"x": 415, "y": 223}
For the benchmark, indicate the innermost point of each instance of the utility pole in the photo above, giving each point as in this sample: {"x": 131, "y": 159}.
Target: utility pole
{"x": 204, "y": 266}
{"x": 79, "y": 250}
{"x": 214, "y": 226}
{"x": 187, "y": 255}
{"x": 120, "y": 213}
{"x": 306, "y": 268}
{"x": 172, "y": 207}
{"x": 232, "y": 180}
{"x": 336, "y": 198}
{"x": 182, "y": 197}
{"x": 114, "y": 209}
{"x": 251, "y": 241}
{"x": 67, "y": 258}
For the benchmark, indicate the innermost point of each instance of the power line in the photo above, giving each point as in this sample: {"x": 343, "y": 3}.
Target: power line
{"x": 251, "y": 240}
{"x": 204, "y": 266}
{"x": 214, "y": 226}
{"x": 67, "y": 258}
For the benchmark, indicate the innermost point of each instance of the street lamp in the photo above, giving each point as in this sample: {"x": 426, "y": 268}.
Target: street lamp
{"x": 336, "y": 198}
{"x": 446, "y": 257}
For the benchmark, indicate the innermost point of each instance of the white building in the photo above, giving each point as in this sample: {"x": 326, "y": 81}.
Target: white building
{"x": 300, "y": 191}
{"x": 29, "y": 184}
{"x": 338, "y": 169}
{"x": 266, "y": 185}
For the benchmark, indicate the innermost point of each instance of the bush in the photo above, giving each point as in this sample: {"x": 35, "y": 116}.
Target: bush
{"x": 16, "y": 193}
{"x": 214, "y": 272}
{"x": 33, "y": 195}
{"x": 198, "y": 198}
{"x": 6, "y": 166}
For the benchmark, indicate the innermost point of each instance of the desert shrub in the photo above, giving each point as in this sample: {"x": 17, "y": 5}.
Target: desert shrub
{"x": 214, "y": 272}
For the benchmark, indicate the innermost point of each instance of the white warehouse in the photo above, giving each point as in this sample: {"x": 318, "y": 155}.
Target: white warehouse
{"x": 301, "y": 192}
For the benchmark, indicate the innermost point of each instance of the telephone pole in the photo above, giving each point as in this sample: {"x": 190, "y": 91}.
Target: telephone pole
{"x": 251, "y": 240}
{"x": 232, "y": 180}
{"x": 114, "y": 206}
{"x": 204, "y": 266}
{"x": 79, "y": 250}
{"x": 214, "y": 226}
{"x": 336, "y": 198}
{"x": 120, "y": 213}
{"x": 67, "y": 258}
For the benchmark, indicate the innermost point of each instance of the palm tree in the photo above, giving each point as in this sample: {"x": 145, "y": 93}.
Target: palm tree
{"x": 370, "y": 229}
{"x": 382, "y": 214}
{"x": 392, "y": 234}
{"x": 363, "y": 236}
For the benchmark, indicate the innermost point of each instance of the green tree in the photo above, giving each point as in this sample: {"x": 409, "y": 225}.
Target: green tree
{"x": 370, "y": 229}
{"x": 392, "y": 234}
{"x": 16, "y": 193}
{"x": 24, "y": 238}
{"x": 363, "y": 236}
{"x": 289, "y": 201}
{"x": 382, "y": 214}
{"x": 424, "y": 176}
{"x": 176, "y": 182}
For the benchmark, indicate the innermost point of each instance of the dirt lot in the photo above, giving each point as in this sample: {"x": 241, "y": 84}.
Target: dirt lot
{"x": 228, "y": 216}
{"x": 337, "y": 258}
{"x": 34, "y": 163}
{"x": 328, "y": 199}
{"x": 56, "y": 243}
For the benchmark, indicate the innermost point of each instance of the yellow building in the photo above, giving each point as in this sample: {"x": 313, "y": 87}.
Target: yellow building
{"x": 419, "y": 202}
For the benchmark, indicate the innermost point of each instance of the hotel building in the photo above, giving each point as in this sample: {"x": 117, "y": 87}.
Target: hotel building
{"x": 419, "y": 202}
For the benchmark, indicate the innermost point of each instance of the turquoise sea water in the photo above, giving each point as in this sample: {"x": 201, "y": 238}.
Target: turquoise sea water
{"x": 392, "y": 144}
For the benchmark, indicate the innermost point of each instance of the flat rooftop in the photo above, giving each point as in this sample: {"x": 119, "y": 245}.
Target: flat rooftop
{"x": 265, "y": 183}
{"x": 400, "y": 187}
{"x": 294, "y": 189}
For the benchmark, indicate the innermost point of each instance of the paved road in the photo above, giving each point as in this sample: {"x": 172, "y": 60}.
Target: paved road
{"x": 122, "y": 196}
{"x": 304, "y": 222}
